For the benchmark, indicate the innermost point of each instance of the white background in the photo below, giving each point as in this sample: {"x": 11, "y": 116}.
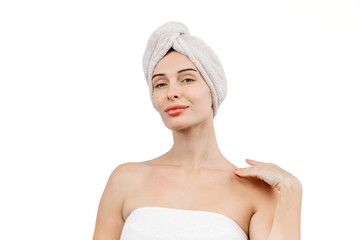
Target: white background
{"x": 74, "y": 103}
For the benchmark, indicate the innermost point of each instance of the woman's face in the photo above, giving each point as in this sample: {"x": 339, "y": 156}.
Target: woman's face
{"x": 189, "y": 87}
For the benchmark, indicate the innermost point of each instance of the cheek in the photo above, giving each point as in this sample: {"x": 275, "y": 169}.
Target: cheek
{"x": 157, "y": 100}
{"x": 200, "y": 95}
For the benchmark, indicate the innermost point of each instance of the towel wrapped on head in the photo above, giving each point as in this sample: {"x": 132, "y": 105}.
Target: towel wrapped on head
{"x": 176, "y": 35}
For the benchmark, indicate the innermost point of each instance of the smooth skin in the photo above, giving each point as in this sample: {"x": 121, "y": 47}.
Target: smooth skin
{"x": 287, "y": 218}
{"x": 263, "y": 199}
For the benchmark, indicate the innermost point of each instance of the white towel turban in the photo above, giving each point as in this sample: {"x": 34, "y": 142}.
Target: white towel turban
{"x": 176, "y": 35}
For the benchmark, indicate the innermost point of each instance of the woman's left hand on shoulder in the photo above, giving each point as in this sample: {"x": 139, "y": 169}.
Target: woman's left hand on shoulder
{"x": 270, "y": 173}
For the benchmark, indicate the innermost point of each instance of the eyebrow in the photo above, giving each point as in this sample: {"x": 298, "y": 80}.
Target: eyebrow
{"x": 183, "y": 70}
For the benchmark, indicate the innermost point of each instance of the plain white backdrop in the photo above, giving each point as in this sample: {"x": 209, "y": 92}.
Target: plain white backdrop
{"x": 74, "y": 103}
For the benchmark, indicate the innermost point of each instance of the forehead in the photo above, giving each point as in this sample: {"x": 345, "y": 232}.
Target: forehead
{"x": 173, "y": 62}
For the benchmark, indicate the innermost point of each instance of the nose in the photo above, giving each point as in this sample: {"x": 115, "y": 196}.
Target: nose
{"x": 173, "y": 91}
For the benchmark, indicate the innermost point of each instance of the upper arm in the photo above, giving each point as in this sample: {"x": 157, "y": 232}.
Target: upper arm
{"x": 109, "y": 220}
{"x": 261, "y": 221}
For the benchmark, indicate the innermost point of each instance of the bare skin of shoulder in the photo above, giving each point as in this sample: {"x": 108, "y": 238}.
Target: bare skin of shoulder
{"x": 158, "y": 184}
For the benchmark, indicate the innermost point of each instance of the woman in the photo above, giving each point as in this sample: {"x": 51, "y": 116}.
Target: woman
{"x": 192, "y": 191}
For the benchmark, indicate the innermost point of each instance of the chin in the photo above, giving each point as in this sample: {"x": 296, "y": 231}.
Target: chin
{"x": 177, "y": 124}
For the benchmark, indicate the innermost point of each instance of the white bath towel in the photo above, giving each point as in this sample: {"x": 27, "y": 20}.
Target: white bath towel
{"x": 159, "y": 223}
{"x": 176, "y": 35}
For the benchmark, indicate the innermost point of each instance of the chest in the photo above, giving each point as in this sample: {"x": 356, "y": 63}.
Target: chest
{"x": 218, "y": 192}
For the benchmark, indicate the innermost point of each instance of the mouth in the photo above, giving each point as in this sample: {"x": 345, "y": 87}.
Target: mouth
{"x": 175, "y": 107}
{"x": 175, "y": 111}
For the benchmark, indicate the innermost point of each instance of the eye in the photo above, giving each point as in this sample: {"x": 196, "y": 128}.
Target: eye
{"x": 188, "y": 79}
{"x": 158, "y": 84}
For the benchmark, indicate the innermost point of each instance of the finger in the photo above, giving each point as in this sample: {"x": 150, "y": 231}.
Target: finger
{"x": 251, "y": 162}
{"x": 246, "y": 172}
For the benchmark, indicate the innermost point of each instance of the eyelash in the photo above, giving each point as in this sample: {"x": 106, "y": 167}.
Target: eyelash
{"x": 183, "y": 80}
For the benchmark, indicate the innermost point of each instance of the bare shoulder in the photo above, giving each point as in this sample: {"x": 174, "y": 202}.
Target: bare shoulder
{"x": 131, "y": 168}
{"x": 127, "y": 176}
{"x": 109, "y": 220}
{"x": 124, "y": 171}
{"x": 261, "y": 196}
{"x": 262, "y": 193}
{"x": 119, "y": 178}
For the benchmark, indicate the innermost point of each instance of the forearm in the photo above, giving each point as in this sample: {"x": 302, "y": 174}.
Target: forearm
{"x": 287, "y": 218}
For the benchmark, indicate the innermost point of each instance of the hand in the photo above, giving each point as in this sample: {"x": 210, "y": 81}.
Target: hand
{"x": 270, "y": 173}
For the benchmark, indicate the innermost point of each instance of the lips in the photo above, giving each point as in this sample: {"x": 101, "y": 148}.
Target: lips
{"x": 175, "y": 107}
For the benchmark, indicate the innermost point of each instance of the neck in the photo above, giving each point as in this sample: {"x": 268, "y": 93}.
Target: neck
{"x": 195, "y": 148}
